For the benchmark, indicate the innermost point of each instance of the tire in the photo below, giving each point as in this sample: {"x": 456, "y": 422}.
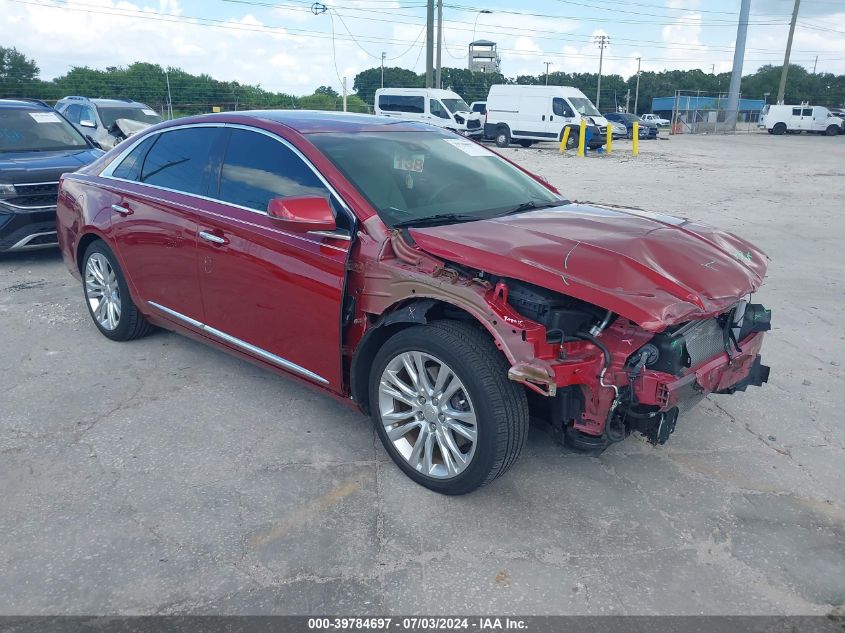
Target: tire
{"x": 572, "y": 141}
{"x": 503, "y": 137}
{"x": 102, "y": 277}
{"x": 832, "y": 130}
{"x": 497, "y": 406}
{"x": 526, "y": 144}
{"x": 629, "y": 134}
{"x": 779, "y": 128}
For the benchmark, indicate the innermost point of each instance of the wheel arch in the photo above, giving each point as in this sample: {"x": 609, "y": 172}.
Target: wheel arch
{"x": 400, "y": 316}
{"x": 85, "y": 240}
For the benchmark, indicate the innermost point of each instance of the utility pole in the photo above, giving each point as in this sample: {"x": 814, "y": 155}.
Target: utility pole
{"x": 382, "y": 68}
{"x": 815, "y": 63}
{"x": 547, "y": 71}
{"x": 169, "y": 99}
{"x": 429, "y": 44}
{"x": 785, "y": 69}
{"x": 628, "y": 100}
{"x": 602, "y": 41}
{"x": 736, "y": 73}
{"x": 637, "y": 93}
{"x": 344, "y": 94}
{"x": 439, "y": 40}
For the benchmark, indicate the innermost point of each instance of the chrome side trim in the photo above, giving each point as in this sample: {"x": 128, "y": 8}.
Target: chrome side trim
{"x": 26, "y": 208}
{"x": 248, "y": 347}
{"x": 24, "y": 244}
{"x": 34, "y": 184}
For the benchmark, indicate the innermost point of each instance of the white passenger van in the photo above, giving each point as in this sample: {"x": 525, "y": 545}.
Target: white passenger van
{"x": 527, "y": 114}
{"x": 442, "y": 108}
{"x": 779, "y": 119}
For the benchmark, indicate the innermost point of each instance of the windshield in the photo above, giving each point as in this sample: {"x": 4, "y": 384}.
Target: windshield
{"x": 37, "y": 130}
{"x": 144, "y": 115}
{"x": 411, "y": 176}
{"x": 456, "y": 105}
{"x": 584, "y": 106}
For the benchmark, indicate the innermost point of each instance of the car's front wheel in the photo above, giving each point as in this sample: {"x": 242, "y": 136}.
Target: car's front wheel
{"x": 107, "y": 296}
{"x": 444, "y": 407}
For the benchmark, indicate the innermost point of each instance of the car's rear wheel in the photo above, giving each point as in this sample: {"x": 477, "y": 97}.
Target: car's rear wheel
{"x": 107, "y": 296}
{"x": 779, "y": 128}
{"x": 503, "y": 137}
{"x": 444, "y": 408}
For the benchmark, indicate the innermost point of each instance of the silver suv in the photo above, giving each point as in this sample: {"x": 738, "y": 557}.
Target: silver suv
{"x": 106, "y": 122}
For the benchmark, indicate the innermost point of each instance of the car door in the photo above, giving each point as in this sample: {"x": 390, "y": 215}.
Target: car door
{"x": 271, "y": 292}
{"x": 156, "y": 191}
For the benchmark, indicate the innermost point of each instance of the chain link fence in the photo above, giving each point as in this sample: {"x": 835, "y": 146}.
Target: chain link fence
{"x": 697, "y": 112}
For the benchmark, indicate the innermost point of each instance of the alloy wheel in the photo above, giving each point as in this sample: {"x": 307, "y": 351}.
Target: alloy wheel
{"x": 427, "y": 414}
{"x": 102, "y": 291}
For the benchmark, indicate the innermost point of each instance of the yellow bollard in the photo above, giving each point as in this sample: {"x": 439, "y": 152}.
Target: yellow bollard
{"x": 635, "y": 137}
{"x": 564, "y": 140}
{"x": 582, "y": 137}
{"x": 609, "y": 144}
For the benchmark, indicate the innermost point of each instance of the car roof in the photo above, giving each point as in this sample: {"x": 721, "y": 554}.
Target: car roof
{"x": 314, "y": 121}
{"x": 33, "y": 104}
{"x": 124, "y": 103}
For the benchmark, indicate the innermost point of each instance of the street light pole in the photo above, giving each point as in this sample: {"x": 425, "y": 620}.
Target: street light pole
{"x": 429, "y": 44}
{"x": 547, "y": 71}
{"x": 382, "y": 68}
{"x": 437, "y": 82}
{"x": 785, "y": 69}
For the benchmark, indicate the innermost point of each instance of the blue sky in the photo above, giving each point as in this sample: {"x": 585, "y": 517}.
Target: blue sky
{"x": 282, "y": 45}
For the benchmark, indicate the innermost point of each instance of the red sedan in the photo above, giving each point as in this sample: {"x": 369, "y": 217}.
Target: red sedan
{"x": 418, "y": 275}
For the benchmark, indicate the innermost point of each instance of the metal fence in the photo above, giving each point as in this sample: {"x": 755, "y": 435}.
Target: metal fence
{"x": 696, "y": 112}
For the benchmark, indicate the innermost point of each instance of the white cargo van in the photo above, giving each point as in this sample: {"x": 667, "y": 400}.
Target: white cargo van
{"x": 442, "y": 108}
{"x": 779, "y": 119}
{"x": 527, "y": 114}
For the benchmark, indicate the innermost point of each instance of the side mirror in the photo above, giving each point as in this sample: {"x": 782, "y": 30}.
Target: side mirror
{"x": 303, "y": 213}
{"x": 87, "y": 123}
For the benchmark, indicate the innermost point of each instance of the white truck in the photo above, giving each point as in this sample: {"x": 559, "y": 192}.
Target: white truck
{"x": 442, "y": 108}
{"x": 527, "y": 114}
{"x": 658, "y": 120}
{"x": 794, "y": 119}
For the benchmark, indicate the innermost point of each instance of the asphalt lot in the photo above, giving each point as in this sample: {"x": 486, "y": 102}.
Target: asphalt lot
{"x": 162, "y": 476}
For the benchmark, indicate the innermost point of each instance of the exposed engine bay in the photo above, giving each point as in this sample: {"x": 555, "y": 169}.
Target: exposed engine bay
{"x": 669, "y": 357}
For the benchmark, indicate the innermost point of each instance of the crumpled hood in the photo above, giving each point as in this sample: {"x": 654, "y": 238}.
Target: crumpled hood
{"x": 653, "y": 269}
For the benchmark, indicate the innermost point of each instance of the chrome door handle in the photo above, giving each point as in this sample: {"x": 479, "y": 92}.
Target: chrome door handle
{"x": 214, "y": 239}
{"x": 122, "y": 210}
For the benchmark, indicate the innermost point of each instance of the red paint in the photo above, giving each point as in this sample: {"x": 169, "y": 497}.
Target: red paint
{"x": 303, "y": 213}
{"x": 278, "y": 287}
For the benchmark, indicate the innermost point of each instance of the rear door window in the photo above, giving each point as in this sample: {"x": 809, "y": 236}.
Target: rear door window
{"x": 181, "y": 160}
{"x": 402, "y": 103}
{"x": 796, "y": 111}
{"x": 807, "y": 112}
{"x": 130, "y": 167}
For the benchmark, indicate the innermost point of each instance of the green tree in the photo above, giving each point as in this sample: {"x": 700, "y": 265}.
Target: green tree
{"x": 368, "y": 81}
{"x": 18, "y": 73}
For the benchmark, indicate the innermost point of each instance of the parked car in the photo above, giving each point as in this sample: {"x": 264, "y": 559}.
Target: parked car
{"x": 442, "y": 289}
{"x": 37, "y": 145}
{"x": 653, "y": 118}
{"x": 780, "y": 119}
{"x": 527, "y": 114}
{"x": 618, "y": 130}
{"x": 442, "y": 108}
{"x": 479, "y": 106}
{"x": 107, "y": 121}
{"x": 647, "y": 129}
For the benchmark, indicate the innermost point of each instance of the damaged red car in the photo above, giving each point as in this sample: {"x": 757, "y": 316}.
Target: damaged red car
{"x": 419, "y": 276}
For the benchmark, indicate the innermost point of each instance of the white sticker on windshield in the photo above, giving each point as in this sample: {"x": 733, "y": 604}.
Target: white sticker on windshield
{"x": 468, "y": 147}
{"x": 409, "y": 162}
{"x": 149, "y": 112}
{"x": 45, "y": 117}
